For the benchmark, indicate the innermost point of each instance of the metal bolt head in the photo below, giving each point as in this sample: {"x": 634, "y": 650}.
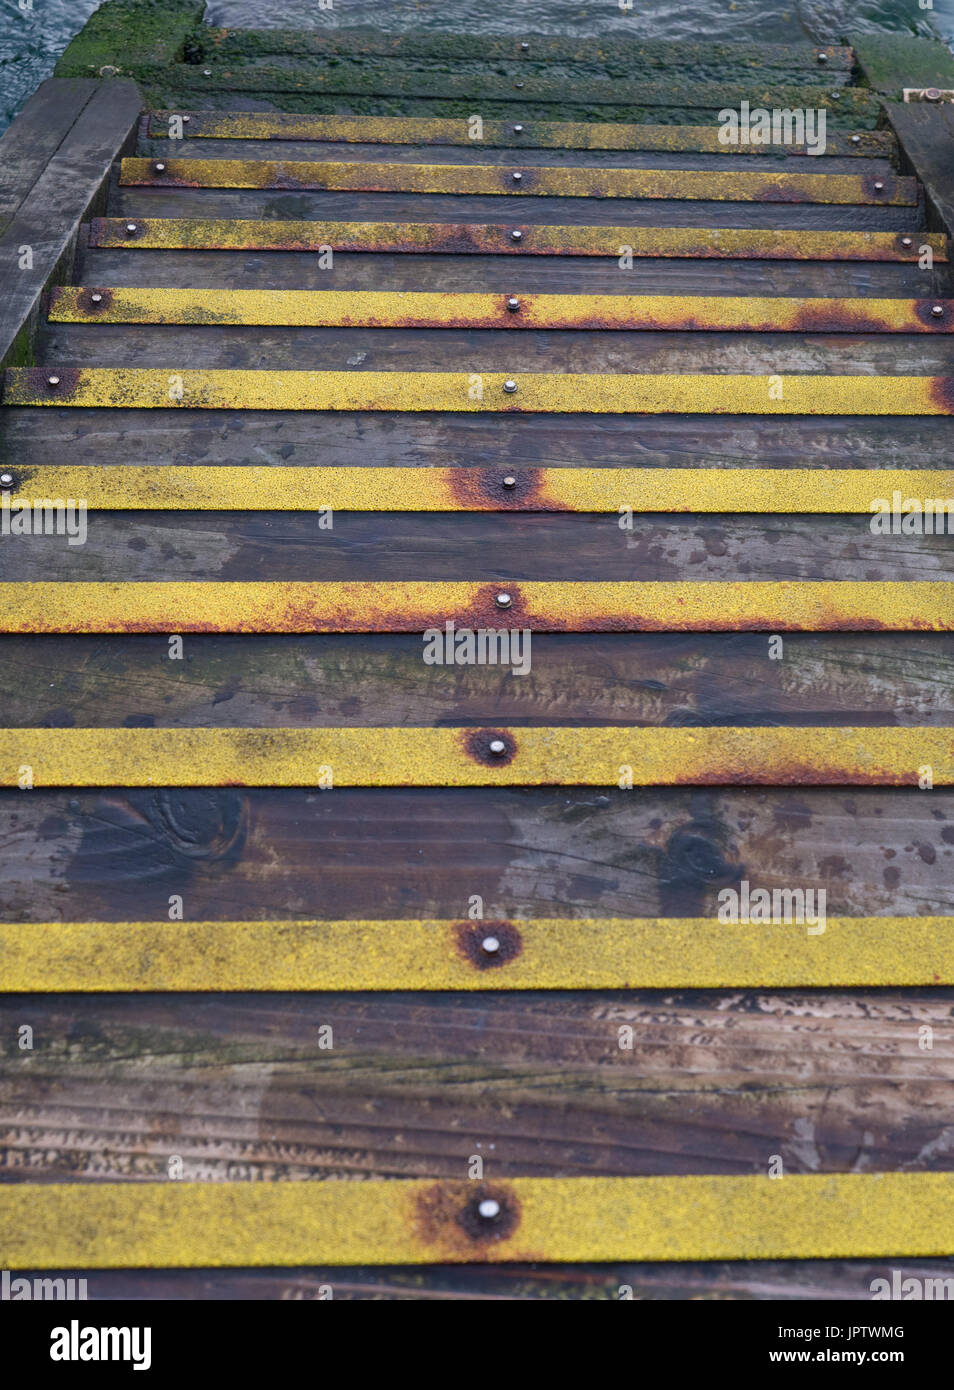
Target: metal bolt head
{"x": 937, "y": 310}
{"x": 524, "y": 48}
{"x": 517, "y": 177}
{"x": 510, "y": 387}
{"x": 497, "y": 746}
{"x": 906, "y": 241}
{"x": 823, "y": 57}
{"x": 52, "y": 381}
{"x": 6, "y": 479}
{"x": 879, "y": 186}
{"x": 518, "y": 130}
{"x": 488, "y": 1209}
{"x": 160, "y": 168}
{"x": 509, "y": 481}
{"x": 856, "y": 139}
{"x": 131, "y": 227}
{"x": 490, "y": 944}
{"x": 516, "y": 236}
{"x": 503, "y": 600}
{"x": 932, "y": 94}
{"x": 518, "y": 85}
{"x": 513, "y": 303}
{"x": 206, "y": 72}
{"x": 97, "y": 298}
{"x": 187, "y": 118}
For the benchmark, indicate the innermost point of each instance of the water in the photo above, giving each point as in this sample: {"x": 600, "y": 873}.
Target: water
{"x": 33, "y": 33}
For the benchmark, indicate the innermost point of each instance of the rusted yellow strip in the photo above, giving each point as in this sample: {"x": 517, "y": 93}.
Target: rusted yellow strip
{"x": 133, "y": 487}
{"x": 403, "y": 309}
{"x": 196, "y": 1224}
{"x": 523, "y": 134}
{"x": 539, "y": 180}
{"x": 611, "y": 953}
{"x": 471, "y": 757}
{"x": 537, "y": 392}
{"x": 720, "y": 243}
{"x": 415, "y": 606}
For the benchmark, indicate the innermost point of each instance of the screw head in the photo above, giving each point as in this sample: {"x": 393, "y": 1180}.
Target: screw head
{"x": 6, "y": 479}
{"x": 518, "y": 130}
{"x": 497, "y": 746}
{"x": 518, "y": 85}
{"x": 488, "y": 1209}
{"x": 52, "y": 381}
{"x": 879, "y": 186}
{"x": 509, "y": 481}
{"x": 932, "y": 94}
{"x": 490, "y": 944}
{"x": 206, "y": 72}
{"x": 160, "y": 168}
{"x": 513, "y": 303}
{"x": 524, "y": 48}
{"x": 906, "y": 241}
{"x": 516, "y": 236}
{"x": 97, "y": 298}
{"x": 510, "y": 387}
{"x": 516, "y": 176}
{"x": 502, "y": 600}
{"x": 187, "y": 118}
{"x": 823, "y": 57}
{"x": 131, "y": 227}
{"x": 856, "y": 139}
{"x": 937, "y": 310}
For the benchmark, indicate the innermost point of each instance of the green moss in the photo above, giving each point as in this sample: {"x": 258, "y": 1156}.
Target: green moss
{"x": 890, "y": 62}
{"x": 126, "y": 33}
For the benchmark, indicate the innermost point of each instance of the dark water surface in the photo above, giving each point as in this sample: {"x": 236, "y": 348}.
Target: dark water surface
{"x": 32, "y": 38}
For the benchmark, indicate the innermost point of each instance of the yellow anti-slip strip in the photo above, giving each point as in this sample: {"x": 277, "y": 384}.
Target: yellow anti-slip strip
{"x": 402, "y": 309}
{"x": 755, "y": 1217}
{"x": 473, "y": 757}
{"x": 416, "y": 606}
{"x": 527, "y": 134}
{"x": 176, "y": 487}
{"x": 721, "y": 243}
{"x": 480, "y": 392}
{"x": 542, "y": 181}
{"x": 611, "y": 953}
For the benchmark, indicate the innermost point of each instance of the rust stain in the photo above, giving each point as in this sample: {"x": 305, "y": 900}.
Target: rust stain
{"x": 471, "y": 935}
{"x": 477, "y": 488}
{"x": 476, "y": 744}
{"x": 447, "y": 1215}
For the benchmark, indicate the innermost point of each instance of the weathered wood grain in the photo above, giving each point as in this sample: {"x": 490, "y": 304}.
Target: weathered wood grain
{"x": 475, "y": 545}
{"x": 592, "y": 678}
{"x": 272, "y": 853}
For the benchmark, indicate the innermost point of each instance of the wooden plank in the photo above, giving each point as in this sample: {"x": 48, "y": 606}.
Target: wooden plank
{"x": 654, "y": 678}
{"x": 48, "y": 219}
{"x": 494, "y": 550}
{"x": 926, "y": 133}
{"x": 33, "y": 138}
{"x": 239, "y": 854}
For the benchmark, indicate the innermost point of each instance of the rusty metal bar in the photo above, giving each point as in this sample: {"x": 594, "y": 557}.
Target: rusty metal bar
{"x": 523, "y": 134}
{"x": 493, "y": 392}
{"x": 419, "y": 1221}
{"x": 419, "y": 606}
{"x": 541, "y": 181}
{"x": 173, "y": 487}
{"x": 480, "y": 239}
{"x": 403, "y": 309}
{"x": 808, "y": 951}
{"x": 474, "y": 757}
